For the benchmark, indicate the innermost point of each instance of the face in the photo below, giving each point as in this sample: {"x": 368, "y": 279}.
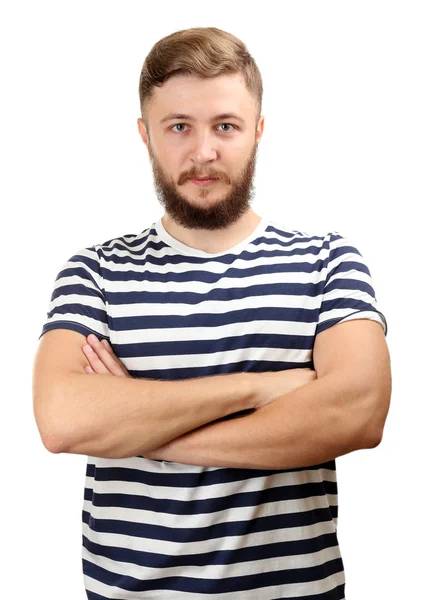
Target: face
{"x": 203, "y": 144}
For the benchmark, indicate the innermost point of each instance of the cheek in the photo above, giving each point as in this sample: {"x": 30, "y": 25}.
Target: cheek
{"x": 169, "y": 152}
{"x": 235, "y": 158}
{"x": 237, "y": 151}
{"x": 165, "y": 159}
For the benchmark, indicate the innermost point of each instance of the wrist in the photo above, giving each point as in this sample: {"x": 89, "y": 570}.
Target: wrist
{"x": 247, "y": 385}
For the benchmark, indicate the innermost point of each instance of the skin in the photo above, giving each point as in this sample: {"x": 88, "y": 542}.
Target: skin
{"x": 214, "y": 219}
{"x": 102, "y": 359}
{"x": 217, "y": 217}
{"x": 292, "y": 432}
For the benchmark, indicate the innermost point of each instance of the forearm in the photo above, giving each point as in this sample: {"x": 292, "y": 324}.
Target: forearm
{"x": 116, "y": 417}
{"x": 309, "y": 426}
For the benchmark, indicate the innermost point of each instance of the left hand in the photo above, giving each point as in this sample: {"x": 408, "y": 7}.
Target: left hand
{"x": 102, "y": 359}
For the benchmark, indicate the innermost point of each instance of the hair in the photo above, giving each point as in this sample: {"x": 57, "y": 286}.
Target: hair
{"x": 204, "y": 52}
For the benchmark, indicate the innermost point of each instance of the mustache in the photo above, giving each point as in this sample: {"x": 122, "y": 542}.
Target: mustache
{"x": 211, "y": 174}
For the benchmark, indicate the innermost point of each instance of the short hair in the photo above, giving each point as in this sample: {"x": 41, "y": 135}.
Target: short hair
{"x": 204, "y": 52}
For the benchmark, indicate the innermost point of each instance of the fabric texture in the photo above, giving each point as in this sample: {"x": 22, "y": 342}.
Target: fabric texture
{"x": 158, "y": 529}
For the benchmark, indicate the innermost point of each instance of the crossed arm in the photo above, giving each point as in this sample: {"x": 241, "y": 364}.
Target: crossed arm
{"x": 343, "y": 410}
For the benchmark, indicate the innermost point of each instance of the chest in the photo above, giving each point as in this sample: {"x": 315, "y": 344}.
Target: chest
{"x": 178, "y": 325}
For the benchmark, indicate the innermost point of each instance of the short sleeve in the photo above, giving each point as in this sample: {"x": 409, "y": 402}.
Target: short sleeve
{"x": 348, "y": 290}
{"x": 78, "y": 300}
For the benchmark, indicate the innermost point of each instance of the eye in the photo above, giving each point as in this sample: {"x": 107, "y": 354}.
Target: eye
{"x": 184, "y": 124}
{"x": 227, "y": 124}
{"x": 177, "y": 125}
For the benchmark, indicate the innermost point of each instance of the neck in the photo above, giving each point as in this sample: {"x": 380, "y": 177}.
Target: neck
{"x": 214, "y": 241}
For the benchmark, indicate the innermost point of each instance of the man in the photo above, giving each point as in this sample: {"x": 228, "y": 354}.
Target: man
{"x": 213, "y": 366}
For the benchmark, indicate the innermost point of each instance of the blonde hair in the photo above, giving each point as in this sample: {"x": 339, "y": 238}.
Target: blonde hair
{"x": 201, "y": 51}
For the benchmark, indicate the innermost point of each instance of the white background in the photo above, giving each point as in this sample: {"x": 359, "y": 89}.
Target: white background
{"x": 343, "y": 150}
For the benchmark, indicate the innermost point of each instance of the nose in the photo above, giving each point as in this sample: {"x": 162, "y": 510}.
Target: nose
{"x": 204, "y": 150}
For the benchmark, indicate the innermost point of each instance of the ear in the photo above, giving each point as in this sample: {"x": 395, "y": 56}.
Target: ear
{"x": 260, "y": 129}
{"x": 142, "y": 128}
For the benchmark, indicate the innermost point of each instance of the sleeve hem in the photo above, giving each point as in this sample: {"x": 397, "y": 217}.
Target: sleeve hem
{"x": 83, "y": 329}
{"x": 373, "y": 315}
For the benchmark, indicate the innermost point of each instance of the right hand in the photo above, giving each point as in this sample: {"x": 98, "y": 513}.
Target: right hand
{"x": 271, "y": 385}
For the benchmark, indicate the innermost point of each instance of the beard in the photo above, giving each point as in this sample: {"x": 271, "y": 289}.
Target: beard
{"x": 224, "y": 211}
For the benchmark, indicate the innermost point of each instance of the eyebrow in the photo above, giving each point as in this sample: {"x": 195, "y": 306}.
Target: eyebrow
{"x": 173, "y": 116}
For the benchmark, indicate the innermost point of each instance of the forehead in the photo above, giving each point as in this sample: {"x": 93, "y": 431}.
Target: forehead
{"x": 202, "y": 98}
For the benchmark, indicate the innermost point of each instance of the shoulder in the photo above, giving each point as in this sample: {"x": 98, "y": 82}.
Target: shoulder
{"x": 294, "y": 237}
{"x": 126, "y": 242}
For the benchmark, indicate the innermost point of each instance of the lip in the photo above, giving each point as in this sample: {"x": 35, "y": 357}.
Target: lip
{"x": 203, "y": 182}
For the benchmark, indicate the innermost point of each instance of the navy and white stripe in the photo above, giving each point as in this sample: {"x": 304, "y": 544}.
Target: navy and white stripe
{"x": 157, "y": 529}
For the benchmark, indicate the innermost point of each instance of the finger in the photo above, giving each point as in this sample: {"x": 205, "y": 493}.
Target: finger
{"x": 115, "y": 358}
{"x": 88, "y": 369}
{"x": 108, "y": 359}
{"x": 108, "y": 347}
{"x": 96, "y": 363}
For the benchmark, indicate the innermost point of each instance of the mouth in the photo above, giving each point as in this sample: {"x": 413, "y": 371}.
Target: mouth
{"x": 203, "y": 181}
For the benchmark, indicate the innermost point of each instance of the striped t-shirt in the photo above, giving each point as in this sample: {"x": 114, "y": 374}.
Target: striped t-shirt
{"x": 171, "y": 531}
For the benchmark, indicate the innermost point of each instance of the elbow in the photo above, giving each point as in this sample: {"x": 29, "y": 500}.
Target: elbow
{"x": 362, "y": 423}
{"x": 356, "y": 439}
{"x": 53, "y": 443}
{"x": 373, "y": 440}
{"x": 50, "y": 428}
{"x": 59, "y": 439}
{"x": 380, "y": 413}
{"x": 380, "y": 404}
{"x": 52, "y": 437}
{"x": 373, "y": 428}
